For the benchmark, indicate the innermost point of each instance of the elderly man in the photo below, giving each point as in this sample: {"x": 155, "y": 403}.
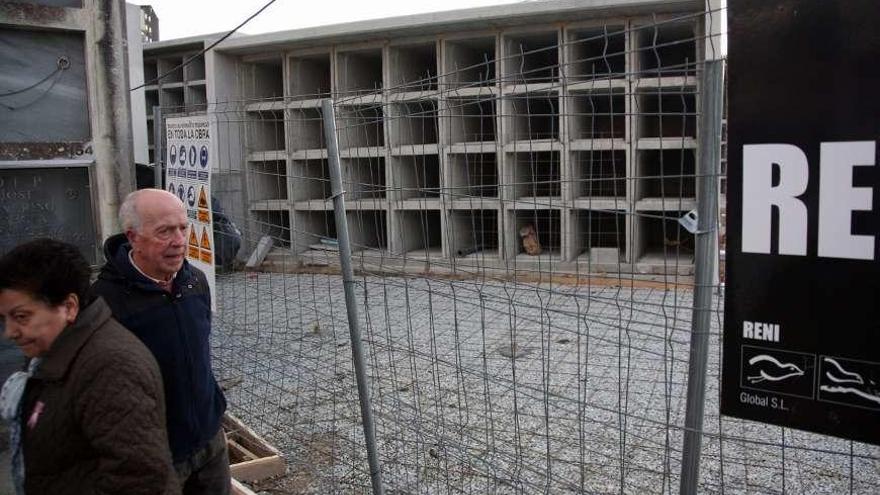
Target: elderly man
{"x": 154, "y": 292}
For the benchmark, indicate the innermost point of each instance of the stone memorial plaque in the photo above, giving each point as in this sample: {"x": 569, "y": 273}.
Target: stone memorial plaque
{"x": 47, "y": 202}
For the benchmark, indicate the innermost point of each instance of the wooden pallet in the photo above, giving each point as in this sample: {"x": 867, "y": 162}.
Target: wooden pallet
{"x": 250, "y": 457}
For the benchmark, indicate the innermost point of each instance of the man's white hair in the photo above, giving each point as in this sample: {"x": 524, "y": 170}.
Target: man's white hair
{"x": 129, "y": 217}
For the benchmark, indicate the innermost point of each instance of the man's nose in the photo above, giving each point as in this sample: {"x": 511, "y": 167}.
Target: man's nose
{"x": 180, "y": 236}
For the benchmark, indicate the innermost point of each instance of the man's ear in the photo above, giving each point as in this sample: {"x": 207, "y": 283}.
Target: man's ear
{"x": 131, "y": 235}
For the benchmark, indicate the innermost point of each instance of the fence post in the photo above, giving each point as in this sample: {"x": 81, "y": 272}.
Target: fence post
{"x": 706, "y": 245}
{"x": 158, "y": 149}
{"x": 357, "y": 350}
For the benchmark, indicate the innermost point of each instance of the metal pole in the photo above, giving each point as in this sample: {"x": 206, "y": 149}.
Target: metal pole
{"x": 158, "y": 149}
{"x": 706, "y": 246}
{"x": 357, "y": 350}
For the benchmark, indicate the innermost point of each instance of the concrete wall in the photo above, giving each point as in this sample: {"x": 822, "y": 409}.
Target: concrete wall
{"x": 50, "y": 130}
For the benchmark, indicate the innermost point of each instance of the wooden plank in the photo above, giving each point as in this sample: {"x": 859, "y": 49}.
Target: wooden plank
{"x": 259, "y": 469}
{"x": 239, "y": 489}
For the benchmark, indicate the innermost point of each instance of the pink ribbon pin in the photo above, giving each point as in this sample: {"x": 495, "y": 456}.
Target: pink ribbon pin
{"x": 35, "y": 414}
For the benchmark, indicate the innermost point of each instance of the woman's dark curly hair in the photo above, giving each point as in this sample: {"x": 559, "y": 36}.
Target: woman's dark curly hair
{"x": 46, "y": 269}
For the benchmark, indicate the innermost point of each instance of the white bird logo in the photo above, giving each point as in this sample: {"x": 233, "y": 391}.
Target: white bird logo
{"x": 782, "y": 371}
{"x": 848, "y": 377}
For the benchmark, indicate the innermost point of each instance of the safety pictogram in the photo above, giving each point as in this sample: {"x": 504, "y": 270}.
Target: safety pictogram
{"x": 203, "y": 198}
{"x": 191, "y": 196}
{"x": 193, "y": 247}
{"x": 206, "y": 255}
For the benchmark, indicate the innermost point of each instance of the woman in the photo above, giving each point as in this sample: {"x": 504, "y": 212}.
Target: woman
{"x": 89, "y": 414}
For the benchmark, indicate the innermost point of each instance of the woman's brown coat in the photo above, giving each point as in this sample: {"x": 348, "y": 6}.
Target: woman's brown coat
{"x": 93, "y": 415}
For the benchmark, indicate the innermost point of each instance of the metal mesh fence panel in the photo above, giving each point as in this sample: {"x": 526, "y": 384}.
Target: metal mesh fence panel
{"x": 524, "y": 283}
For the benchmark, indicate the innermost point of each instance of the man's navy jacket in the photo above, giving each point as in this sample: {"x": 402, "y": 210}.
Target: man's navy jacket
{"x": 176, "y": 328}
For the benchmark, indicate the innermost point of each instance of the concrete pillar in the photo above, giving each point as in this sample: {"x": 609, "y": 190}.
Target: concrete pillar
{"x": 110, "y": 104}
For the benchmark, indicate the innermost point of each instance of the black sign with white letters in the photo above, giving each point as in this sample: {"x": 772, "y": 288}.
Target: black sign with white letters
{"x": 802, "y": 305}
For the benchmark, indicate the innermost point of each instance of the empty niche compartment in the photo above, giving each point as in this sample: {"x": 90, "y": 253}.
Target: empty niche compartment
{"x": 545, "y": 224}
{"x": 368, "y": 229}
{"x": 667, "y": 49}
{"x": 662, "y": 239}
{"x": 196, "y": 98}
{"x": 306, "y": 129}
{"x": 597, "y": 115}
{"x": 172, "y": 69}
{"x": 535, "y": 174}
{"x": 597, "y": 52}
{"x": 360, "y": 126}
{"x": 268, "y": 180}
{"x": 413, "y": 67}
{"x": 151, "y": 98}
{"x": 150, "y": 133}
{"x": 413, "y": 123}
{"x": 471, "y": 120}
{"x": 531, "y": 117}
{"x": 668, "y": 174}
{"x": 264, "y": 79}
{"x": 310, "y": 179}
{"x": 266, "y": 130}
{"x": 599, "y": 235}
{"x": 419, "y": 232}
{"x": 172, "y": 100}
{"x": 416, "y": 177}
{"x": 310, "y": 76}
{"x": 151, "y": 72}
{"x": 599, "y": 174}
{"x": 531, "y": 57}
{"x": 315, "y": 230}
{"x": 272, "y": 223}
{"x": 363, "y": 178}
{"x": 470, "y": 62}
{"x": 473, "y": 233}
{"x": 473, "y": 175}
{"x": 359, "y": 71}
{"x": 666, "y": 112}
{"x": 195, "y": 69}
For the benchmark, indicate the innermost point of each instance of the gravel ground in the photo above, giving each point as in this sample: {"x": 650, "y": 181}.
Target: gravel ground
{"x": 497, "y": 388}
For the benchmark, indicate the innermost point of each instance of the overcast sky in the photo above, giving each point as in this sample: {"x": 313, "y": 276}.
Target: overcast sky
{"x": 181, "y": 18}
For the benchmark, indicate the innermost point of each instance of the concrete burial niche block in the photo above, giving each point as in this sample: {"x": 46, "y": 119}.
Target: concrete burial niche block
{"x": 453, "y": 139}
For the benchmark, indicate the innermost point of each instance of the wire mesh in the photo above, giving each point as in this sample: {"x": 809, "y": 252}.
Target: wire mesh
{"x": 524, "y": 286}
